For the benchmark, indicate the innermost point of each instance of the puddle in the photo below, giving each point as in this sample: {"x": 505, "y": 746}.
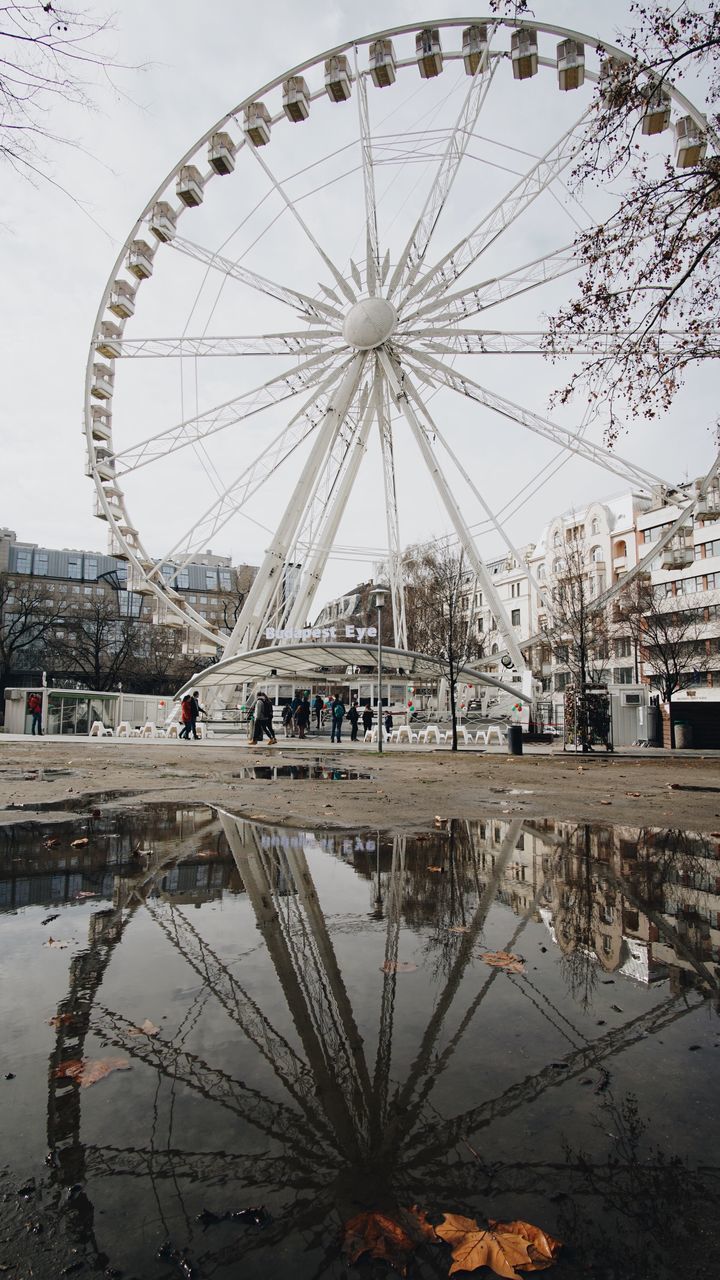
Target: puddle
{"x": 513, "y": 1019}
{"x": 302, "y": 773}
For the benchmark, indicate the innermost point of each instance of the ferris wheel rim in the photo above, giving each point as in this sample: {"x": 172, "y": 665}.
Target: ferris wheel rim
{"x": 138, "y": 555}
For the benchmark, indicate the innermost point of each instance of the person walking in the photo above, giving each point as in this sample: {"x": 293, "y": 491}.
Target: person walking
{"x": 388, "y": 723}
{"x": 195, "y": 711}
{"x": 185, "y": 716}
{"x": 353, "y": 716}
{"x": 302, "y": 717}
{"x": 34, "y": 706}
{"x": 367, "y": 718}
{"x": 337, "y": 716}
{"x": 263, "y": 719}
{"x": 287, "y": 719}
{"x": 317, "y": 707}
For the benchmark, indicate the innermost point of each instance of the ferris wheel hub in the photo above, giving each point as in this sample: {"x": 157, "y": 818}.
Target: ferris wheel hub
{"x": 369, "y": 323}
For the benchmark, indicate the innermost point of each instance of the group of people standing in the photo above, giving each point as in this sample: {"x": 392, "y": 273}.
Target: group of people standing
{"x": 296, "y": 716}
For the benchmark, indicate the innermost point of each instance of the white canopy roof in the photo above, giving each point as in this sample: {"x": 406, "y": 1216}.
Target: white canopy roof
{"x": 324, "y": 663}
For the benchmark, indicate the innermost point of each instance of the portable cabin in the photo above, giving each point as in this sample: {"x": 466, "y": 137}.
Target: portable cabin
{"x": 690, "y": 143}
{"x": 296, "y": 99}
{"x": 570, "y": 64}
{"x": 122, "y": 299}
{"x": 221, "y": 153}
{"x": 100, "y": 422}
{"x": 140, "y": 260}
{"x": 656, "y": 115}
{"x": 189, "y": 186}
{"x": 257, "y": 124}
{"x": 428, "y": 52}
{"x": 474, "y": 44}
{"x": 524, "y": 53}
{"x": 382, "y": 63}
{"x": 337, "y": 78}
{"x": 102, "y": 383}
{"x": 163, "y": 221}
{"x": 109, "y": 344}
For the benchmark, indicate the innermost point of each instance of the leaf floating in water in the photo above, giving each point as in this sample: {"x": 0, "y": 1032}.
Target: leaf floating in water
{"x": 80, "y": 843}
{"x": 501, "y": 1246}
{"x": 390, "y": 1237}
{"x": 88, "y": 1071}
{"x": 51, "y": 843}
{"x": 146, "y": 1028}
{"x": 62, "y": 1020}
{"x": 504, "y": 960}
{"x": 397, "y": 966}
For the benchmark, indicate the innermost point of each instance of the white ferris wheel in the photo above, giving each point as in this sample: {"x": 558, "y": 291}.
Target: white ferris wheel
{"x": 380, "y": 227}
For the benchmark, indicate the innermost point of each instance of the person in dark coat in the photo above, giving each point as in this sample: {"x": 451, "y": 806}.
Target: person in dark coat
{"x": 353, "y": 716}
{"x": 367, "y": 718}
{"x": 337, "y": 715}
{"x": 302, "y": 717}
{"x": 317, "y": 707}
{"x": 388, "y": 723}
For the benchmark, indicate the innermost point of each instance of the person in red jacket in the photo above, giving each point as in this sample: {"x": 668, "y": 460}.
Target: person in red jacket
{"x": 34, "y": 706}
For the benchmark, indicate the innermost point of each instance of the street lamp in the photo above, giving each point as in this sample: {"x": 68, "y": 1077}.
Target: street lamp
{"x": 380, "y": 597}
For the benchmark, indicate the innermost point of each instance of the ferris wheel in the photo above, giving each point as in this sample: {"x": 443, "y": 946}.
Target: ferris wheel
{"x": 390, "y": 222}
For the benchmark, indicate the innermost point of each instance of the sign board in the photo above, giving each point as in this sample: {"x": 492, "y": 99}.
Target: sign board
{"x": 307, "y": 635}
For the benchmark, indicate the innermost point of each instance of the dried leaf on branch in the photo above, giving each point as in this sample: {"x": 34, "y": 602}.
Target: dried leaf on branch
{"x": 504, "y": 960}
{"x": 504, "y": 1247}
{"x": 390, "y": 1237}
{"x": 88, "y": 1071}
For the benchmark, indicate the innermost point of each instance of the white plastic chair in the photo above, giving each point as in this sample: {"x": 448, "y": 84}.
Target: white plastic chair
{"x": 493, "y": 729}
{"x": 98, "y": 730}
{"x": 172, "y": 730}
{"x": 432, "y": 729}
{"x": 123, "y": 729}
{"x": 148, "y": 730}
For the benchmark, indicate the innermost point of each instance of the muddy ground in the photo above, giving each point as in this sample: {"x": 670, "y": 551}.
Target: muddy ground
{"x": 403, "y": 789}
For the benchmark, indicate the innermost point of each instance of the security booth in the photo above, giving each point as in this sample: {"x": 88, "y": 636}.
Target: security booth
{"x": 64, "y": 711}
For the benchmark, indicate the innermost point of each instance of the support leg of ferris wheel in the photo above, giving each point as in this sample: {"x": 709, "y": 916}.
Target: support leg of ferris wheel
{"x": 397, "y": 589}
{"x": 246, "y": 631}
{"x": 310, "y": 582}
{"x": 396, "y": 378}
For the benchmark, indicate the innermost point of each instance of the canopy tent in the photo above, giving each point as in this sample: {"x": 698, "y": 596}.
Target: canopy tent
{"x": 323, "y": 663}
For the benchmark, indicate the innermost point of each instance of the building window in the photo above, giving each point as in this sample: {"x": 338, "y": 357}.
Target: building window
{"x": 480, "y": 625}
{"x": 90, "y": 568}
{"x": 88, "y": 591}
{"x": 562, "y": 680}
{"x": 211, "y": 579}
{"x": 225, "y": 578}
{"x": 182, "y": 580}
{"x": 596, "y": 555}
{"x": 40, "y": 566}
{"x": 622, "y": 675}
{"x": 24, "y": 561}
{"x": 74, "y": 566}
{"x": 622, "y": 646}
{"x": 129, "y": 604}
{"x": 595, "y": 526}
{"x": 478, "y": 600}
{"x": 515, "y": 617}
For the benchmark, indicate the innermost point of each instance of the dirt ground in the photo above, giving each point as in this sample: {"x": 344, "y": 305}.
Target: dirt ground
{"x": 402, "y": 789}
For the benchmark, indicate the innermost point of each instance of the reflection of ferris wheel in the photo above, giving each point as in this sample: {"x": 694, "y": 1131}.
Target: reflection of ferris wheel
{"x": 380, "y": 350}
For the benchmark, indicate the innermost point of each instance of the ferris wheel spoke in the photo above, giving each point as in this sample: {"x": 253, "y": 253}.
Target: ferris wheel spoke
{"x": 248, "y": 628}
{"x": 539, "y": 343}
{"x": 397, "y": 590}
{"x": 271, "y": 344}
{"x": 372, "y": 250}
{"x": 291, "y": 206}
{"x": 450, "y": 267}
{"x": 406, "y": 395}
{"x": 312, "y": 308}
{"x": 249, "y": 481}
{"x": 610, "y": 461}
{"x": 331, "y": 498}
{"x": 220, "y": 417}
{"x": 413, "y": 255}
{"x": 450, "y": 307}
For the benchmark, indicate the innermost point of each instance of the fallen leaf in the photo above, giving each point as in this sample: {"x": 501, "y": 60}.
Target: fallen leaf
{"x": 146, "y": 1028}
{"x": 635, "y": 795}
{"x": 80, "y": 843}
{"x": 435, "y": 868}
{"x": 56, "y": 942}
{"x": 391, "y": 1237}
{"x": 88, "y": 1071}
{"x": 501, "y": 1246}
{"x": 51, "y": 843}
{"x": 397, "y": 966}
{"x": 458, "y": 928}
{"x": 61, "y": 1020}
{"x": 504, "y": 960}
{"x": 606, "y": 801}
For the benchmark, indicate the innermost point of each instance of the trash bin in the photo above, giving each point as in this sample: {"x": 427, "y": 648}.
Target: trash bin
{"x": 514, "y": 739}
{"x": 683, "y": 735}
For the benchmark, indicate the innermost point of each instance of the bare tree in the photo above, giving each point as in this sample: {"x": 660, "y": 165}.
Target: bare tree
{"x": 28, "y": 617}
{"x": 159, "y": 664}
{"x": 669, "y": 639}
{"x": 577, "y": 629}
{"x": 97, "y": 645}
{"x": 436, "y": 581}
{"x": 48, "y": 54}
{"x": 654, "y": 265}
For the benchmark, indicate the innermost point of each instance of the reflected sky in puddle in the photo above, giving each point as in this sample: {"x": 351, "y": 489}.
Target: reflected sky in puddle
{"x": 332, "y": 1038}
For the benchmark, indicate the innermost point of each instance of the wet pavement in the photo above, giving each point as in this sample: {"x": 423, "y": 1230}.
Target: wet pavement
{"x": 509, "y": 1019}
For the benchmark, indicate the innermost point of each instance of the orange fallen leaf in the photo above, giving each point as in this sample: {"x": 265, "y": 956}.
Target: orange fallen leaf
{"x": 61, "y": 1020}
{"x": 504, "y": 960}
{"x": 391, "y": 1237}
{"x": 80, "y": 843}
{"x": 397, "y": 966}
{"x": 88, "y": 1071}
{"x": 146, "y": 1028}
{"x": 435, "y": 868}
{"x": 501, "y": 1246}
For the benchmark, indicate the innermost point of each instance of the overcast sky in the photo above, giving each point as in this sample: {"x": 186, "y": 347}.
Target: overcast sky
{"x": 186, "y": 64}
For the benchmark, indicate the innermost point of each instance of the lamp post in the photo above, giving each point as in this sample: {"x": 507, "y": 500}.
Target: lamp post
{"x": 379, "y": 604}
